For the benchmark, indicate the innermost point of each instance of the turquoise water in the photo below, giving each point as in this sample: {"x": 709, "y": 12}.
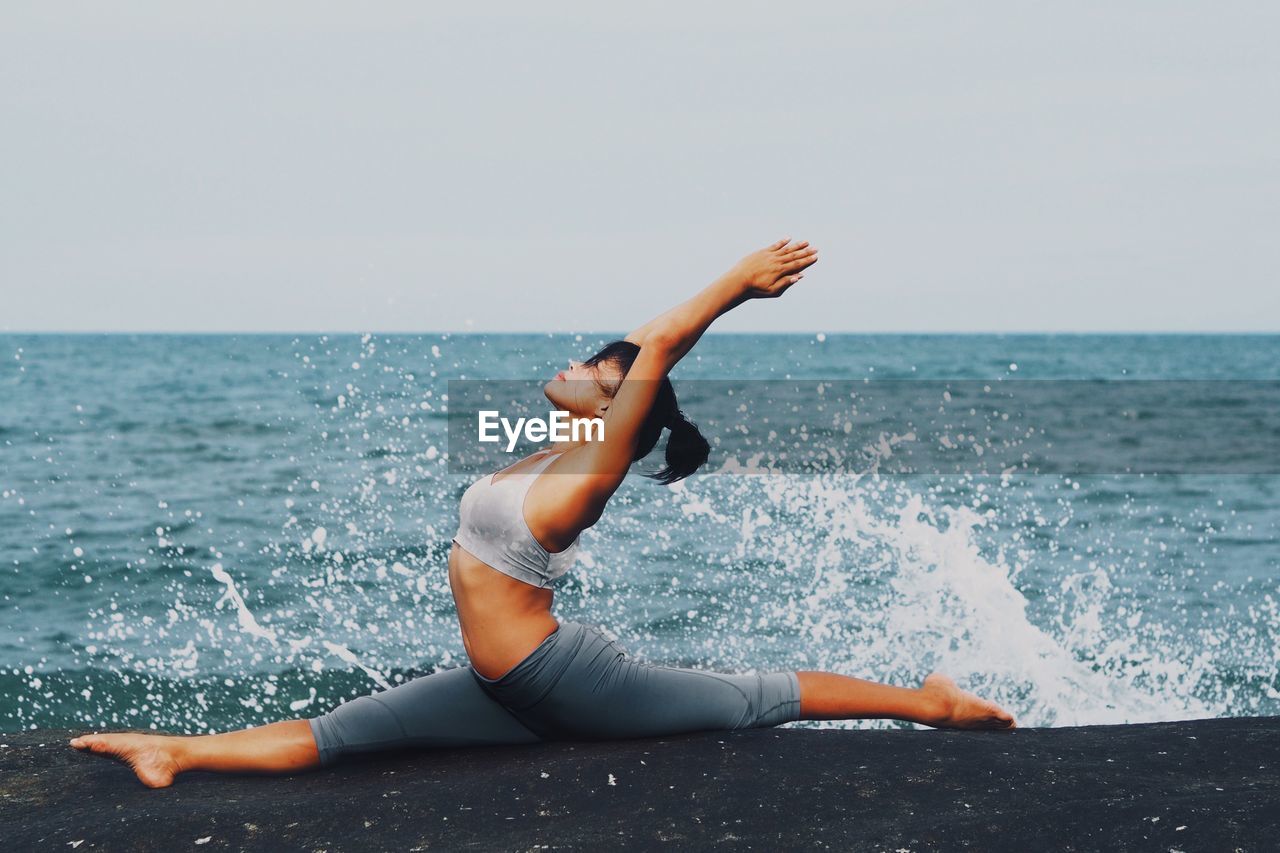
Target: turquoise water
{"x": 200, "y": 532}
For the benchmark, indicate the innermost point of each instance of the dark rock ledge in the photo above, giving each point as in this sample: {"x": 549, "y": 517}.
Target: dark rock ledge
{"x": 1189, "y": 786}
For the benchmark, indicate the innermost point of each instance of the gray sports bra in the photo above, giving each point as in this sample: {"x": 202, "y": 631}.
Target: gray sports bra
{"x": 491, "y": 526}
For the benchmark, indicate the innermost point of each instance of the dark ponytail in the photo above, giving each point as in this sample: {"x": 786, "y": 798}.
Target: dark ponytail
{"x": 687, "y": 450}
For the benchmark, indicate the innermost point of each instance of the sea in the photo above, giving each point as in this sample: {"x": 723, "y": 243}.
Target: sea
{"x": 207, "y": 532}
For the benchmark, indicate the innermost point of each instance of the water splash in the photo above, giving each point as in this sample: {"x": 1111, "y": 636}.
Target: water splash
{"x": 1067, "y": 602}
{"x": 248, "y": 624}
{"x": 350, "y": 657}
{"x": 899, "y": 585}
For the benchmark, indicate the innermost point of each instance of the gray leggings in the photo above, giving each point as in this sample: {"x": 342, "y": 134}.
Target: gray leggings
{"x": 576, "y": 685}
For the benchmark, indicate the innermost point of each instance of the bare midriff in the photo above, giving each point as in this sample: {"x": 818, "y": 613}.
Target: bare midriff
{"x": 502, "y": 619}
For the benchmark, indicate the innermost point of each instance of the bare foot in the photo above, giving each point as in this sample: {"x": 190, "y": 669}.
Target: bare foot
{"x": 959, "y": 709}
{"x": 150, "y": 756}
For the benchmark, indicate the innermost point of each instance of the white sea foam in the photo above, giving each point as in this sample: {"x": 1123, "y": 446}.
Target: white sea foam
{"x": 349, "y": 656}
{"x": 248, "y": 624}
{"x": 299, "y": 704}
{"x": 899, "y": 587}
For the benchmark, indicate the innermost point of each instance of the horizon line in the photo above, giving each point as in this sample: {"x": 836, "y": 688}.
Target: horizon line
{"x": 709, "y": 333}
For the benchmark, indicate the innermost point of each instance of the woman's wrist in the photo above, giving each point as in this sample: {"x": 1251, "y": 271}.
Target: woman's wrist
{"x": 723, "y": 294}
{"x": 729, "y": 286}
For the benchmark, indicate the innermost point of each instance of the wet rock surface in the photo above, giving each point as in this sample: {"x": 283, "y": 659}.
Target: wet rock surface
{"x": 1197, "y": 785}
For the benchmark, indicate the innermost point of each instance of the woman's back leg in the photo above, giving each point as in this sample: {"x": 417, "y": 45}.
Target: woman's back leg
{"x": 443, "y": 709}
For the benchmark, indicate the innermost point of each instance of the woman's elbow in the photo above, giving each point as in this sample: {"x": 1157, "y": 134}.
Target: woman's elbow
{"x": 661, "y": 340}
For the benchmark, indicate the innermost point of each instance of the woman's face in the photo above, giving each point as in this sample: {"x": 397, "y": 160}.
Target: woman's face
{"x": 577, "y": 388}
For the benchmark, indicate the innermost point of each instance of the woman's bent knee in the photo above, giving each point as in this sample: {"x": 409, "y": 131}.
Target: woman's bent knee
{"x": 779, "y": 699}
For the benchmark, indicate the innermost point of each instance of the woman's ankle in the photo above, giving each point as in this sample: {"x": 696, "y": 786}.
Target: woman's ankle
{"x": 178, "y": 750}
{"x": 932, "y": 706}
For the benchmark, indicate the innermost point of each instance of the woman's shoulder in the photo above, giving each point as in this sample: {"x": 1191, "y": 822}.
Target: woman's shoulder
{"x": 567, "y": 501}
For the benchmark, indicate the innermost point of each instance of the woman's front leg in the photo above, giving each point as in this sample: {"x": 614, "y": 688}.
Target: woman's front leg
{"x": 937, "y": 702}
{"x": 284, "y": 747}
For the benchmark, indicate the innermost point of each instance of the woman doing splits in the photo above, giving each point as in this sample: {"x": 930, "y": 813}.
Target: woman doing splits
{"x": 531, "y": 677}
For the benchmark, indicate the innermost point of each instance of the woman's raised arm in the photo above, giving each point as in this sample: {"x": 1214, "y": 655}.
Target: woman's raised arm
{"x": 765, "y": 273}
{"x": 664, "y": 340}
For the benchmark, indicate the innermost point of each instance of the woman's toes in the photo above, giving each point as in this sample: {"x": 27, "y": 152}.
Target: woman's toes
{"x": 93, "y": 743}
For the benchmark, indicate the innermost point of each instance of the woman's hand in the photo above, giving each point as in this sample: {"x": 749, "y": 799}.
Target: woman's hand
{"x": 767, "y": 273}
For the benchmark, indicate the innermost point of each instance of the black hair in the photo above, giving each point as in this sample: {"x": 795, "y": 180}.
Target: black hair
{"x": 687, "y": 450}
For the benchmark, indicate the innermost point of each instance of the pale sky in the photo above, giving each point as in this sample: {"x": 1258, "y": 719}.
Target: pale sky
{"x": 552, "y": 167}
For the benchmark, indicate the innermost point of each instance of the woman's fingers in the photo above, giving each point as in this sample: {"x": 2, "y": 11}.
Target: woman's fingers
{"x": 786, "y": 283}
{"x": 788, "y": 254}
{"x": 799, "y": 253}
{"x": 797, "y": 262}
{"x": 781, "y": 285}
{"x": 785, "y": 246}
{"x": 790, "y": 259}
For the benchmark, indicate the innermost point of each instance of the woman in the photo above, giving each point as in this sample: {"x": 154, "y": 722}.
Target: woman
{"x": 530, "y": 677}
